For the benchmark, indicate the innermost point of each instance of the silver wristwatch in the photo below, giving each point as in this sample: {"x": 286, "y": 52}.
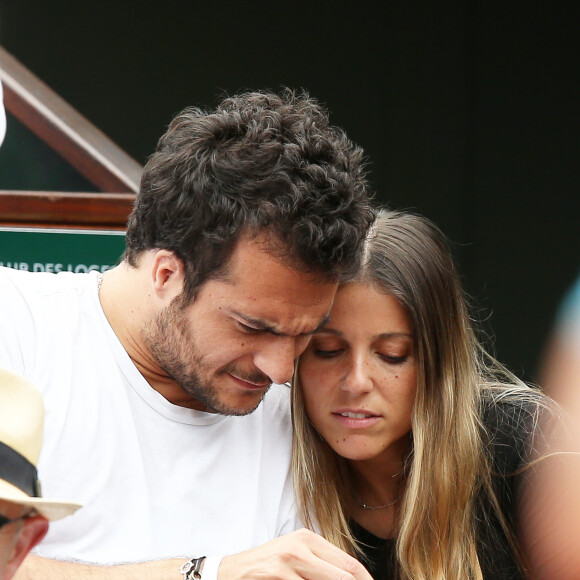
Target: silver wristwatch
{"x": 192, "y": 569}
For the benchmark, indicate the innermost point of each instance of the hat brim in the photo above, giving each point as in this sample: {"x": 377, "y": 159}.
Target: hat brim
{"x": 50, "y": 509}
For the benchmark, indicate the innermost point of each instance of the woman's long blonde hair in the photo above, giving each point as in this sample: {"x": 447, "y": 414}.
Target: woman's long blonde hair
{"x": 406, "y": 256}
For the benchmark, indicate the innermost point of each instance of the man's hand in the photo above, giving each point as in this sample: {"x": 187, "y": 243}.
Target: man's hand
{"x": 301, "y": 554}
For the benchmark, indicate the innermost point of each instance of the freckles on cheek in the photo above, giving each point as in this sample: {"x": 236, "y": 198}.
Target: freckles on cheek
{"x": 312, "y": 405}
{"x": 315, "y": 408}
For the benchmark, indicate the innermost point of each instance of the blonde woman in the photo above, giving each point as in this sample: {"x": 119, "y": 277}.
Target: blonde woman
{"x": 410, "y": 441}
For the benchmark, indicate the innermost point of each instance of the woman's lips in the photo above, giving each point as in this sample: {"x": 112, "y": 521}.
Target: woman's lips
{"x": 355, "y": 418}
{"x": 354, "y": 415}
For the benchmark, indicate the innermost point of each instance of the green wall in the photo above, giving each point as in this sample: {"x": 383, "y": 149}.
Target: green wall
{"x": 60, "y": 250}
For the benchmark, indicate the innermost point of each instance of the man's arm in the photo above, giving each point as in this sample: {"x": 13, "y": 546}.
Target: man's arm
{"x": 35, "y": 567}
{"x": 301, "y": 554}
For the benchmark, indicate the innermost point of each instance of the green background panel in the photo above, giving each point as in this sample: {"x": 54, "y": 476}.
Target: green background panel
{"x": 44, "y": 250}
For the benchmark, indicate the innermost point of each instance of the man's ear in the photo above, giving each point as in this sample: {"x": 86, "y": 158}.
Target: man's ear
{"x": 167, "y": 274}
{"x": 32, "y": 531}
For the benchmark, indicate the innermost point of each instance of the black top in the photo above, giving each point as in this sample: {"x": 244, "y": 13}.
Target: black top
{"x": 379, "y": 553}
{"x": 508, "y": 426}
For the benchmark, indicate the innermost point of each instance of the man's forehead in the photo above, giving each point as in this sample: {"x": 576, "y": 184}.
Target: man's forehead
{"x": 265, "y": 292}
{"x": 282, "y": 305}
{"x": 262, "y": 253}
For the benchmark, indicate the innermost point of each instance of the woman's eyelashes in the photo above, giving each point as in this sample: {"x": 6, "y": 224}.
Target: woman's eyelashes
{"x": 332, "y": 351}
{"x": 326, "y": 346}
{"x": 395, "y": 360}
{"x": 327, "y": 353}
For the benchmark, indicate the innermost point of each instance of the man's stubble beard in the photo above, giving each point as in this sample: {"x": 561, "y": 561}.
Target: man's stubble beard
{"x": 175, "y": 350}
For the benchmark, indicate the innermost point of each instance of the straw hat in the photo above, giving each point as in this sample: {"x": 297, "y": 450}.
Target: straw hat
{"x": 21, "y": 428}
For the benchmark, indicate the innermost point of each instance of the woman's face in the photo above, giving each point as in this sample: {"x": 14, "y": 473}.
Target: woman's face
{"x": 358, "y": 375}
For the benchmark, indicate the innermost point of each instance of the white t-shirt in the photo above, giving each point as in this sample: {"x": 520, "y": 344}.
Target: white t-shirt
{"x": 156, "y": 480}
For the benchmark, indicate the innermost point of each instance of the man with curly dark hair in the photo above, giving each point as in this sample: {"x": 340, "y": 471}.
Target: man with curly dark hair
{"x": 164, "y": 377}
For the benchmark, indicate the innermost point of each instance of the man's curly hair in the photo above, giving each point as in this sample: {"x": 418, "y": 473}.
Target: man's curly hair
{"x": 259, "y": 163}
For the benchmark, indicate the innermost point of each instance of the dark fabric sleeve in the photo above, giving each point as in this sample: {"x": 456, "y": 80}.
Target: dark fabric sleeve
{"x": 508, "y": 433}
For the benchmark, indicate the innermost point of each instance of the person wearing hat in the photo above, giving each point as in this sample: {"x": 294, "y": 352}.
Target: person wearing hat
{"x": 24, "y": 514}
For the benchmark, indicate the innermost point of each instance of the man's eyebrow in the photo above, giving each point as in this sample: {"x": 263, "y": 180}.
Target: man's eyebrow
{"x": 259, "y": 324}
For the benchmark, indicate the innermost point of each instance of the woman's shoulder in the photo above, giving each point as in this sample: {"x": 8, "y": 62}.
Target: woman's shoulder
{"x": 512, "y": 412}
{"x": 511, "y": 420}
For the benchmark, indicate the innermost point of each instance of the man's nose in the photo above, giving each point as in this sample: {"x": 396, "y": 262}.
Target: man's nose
{"x": 276, "y": 358}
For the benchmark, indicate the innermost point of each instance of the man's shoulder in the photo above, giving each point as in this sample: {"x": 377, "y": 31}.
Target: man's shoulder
{"x": 40, "y": 292}
{"x": 44, "y": 282}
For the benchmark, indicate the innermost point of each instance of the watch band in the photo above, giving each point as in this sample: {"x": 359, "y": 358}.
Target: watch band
{"x": 192, "y": 568}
